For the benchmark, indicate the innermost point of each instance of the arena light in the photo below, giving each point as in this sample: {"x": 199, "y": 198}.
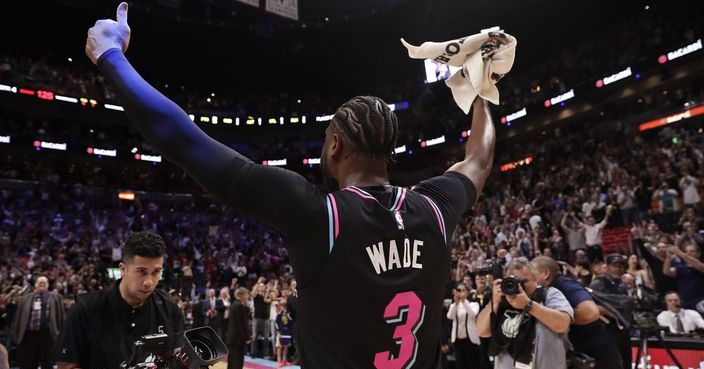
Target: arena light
{"x": 259, "y": 121}
{"x": 656, "y": 123}
{"x": 272, "y": 121}
{"x": 281, "y": 120}
{"x": 400, "y": 149}
{"x": 237, "y": 121}
{"x": 61, "y": 146}
{"x": 204, "y": 119}
{"x": 45, "y": 95}
{"x": 7, "y": 88}
{"x": 324, "y": 118}
{"x": 513, "y": 116}
{"x": 25, "y": 91}
{"x": 614, "y": 78}
{"x": 149, "y": 158}
{"x": 492, "y": 29}
{"x": 433, "y": 141}
{"x": 193, "y": 117}
{"x": 125, "y": 195}
{"x": 85, "y": 102}
{"x": 66, "y": 99}
{"x": 519, "y": 163}
{"x": 403, "y": 105}
{"x": 114, "y": 107}
{"x": 672, "y": 55}
{"x": 560, "y": 98}
{"x": 101, "y": 152}
{"x": 275, "y": 163}
{"x": 227, "y": 120}
{"x": 311, "y": 161}
{"x": 214, "y": 119}
{"x": 250, "y": 121}
{"x": 466, "y": 133}
{"x": 5, "y": 139}
{"x": 392, "y": 107}
{"x": 294, "y": 120}
{"x": 303, "y": 119}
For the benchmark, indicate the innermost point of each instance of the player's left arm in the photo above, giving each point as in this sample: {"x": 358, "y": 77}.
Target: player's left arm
{"x": 479, "y": 152}
{"x": 457, "y": 190}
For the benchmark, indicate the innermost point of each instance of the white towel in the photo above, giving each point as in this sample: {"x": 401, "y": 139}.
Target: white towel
{"x": 484, "y": 59}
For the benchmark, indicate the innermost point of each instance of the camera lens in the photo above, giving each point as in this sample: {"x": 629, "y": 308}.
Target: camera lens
{"x": 509, "y": 286}
{"x": 203, "y": 348}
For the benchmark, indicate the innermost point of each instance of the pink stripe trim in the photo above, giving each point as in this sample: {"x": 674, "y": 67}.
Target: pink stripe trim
{"x": 335, "y": 215}
{"x": 359, "y": 193}
{"x": 437, "y": 215}
{"x": 400, "y": 202}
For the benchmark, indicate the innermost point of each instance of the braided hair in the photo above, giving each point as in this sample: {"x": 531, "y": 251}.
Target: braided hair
{"x": 370, "y": 125}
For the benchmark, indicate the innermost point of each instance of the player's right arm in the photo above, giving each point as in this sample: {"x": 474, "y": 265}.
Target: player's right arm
{"x": 479, "y": 152}
{"x": 281, "y": 198}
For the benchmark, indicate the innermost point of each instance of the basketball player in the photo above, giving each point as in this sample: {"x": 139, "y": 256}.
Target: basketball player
{"x": 371, "y": 259}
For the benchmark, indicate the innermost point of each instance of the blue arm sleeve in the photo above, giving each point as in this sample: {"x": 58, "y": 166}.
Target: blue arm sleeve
{"x": 279, "y": 197}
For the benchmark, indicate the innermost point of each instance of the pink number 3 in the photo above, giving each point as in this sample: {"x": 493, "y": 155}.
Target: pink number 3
{"x": 407, "y": 303}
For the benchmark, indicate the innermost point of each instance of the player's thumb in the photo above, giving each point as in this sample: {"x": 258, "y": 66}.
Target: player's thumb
{"x": 122, "y": 13}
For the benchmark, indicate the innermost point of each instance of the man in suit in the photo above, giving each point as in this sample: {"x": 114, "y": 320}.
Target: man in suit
{"x": 36, "y": 325}
{"x": 197, "y": 310}
{"x": 211, "y": 305}
{"x": 237, "y": 333}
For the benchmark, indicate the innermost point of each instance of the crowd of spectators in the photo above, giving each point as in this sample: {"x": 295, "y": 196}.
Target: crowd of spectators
{"x": 642, "y": 37}
{"x": 578, "y": 186}
{"x": 581, "y": 183}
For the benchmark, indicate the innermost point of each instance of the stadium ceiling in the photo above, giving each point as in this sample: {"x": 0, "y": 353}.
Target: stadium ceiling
{"x": 334, "y": 45}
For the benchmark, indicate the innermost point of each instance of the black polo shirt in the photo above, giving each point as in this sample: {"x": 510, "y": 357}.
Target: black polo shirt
{"x": 101, "y": 327}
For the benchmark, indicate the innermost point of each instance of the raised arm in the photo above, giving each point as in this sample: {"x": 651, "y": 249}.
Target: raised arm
{"x": 479, "y": 154}
{"x": 249, "y": 188}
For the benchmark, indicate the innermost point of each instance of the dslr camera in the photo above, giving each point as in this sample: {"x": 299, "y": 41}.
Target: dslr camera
{"x": 511, "y": 285}
{"x": 201, "y": 348}
{"x": 492, "y": 267}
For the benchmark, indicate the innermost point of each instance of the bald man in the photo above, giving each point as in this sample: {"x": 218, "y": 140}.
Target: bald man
{"x": 587, "y": 333}
{"x": 36, "y": 326}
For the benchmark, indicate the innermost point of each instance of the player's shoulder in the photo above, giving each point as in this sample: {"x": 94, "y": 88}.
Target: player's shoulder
{"x": 449, "y": 181}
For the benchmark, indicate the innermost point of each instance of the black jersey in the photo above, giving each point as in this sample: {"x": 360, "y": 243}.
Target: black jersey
{"x": 371, "y": 263}
{"x": 377, "y": 302}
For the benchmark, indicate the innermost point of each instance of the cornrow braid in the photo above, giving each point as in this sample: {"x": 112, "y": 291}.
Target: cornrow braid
{"x": 370, "y": 125}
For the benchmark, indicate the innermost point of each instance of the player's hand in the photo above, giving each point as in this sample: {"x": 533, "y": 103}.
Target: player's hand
{"x": 108, "y": 34}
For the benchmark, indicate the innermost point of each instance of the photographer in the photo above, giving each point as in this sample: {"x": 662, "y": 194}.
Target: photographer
{"x": 103, "y": 325}
{"x": 587, "y": 334}
{"x": 679, "y": 320}
{"x": 526, "y": 323}
{"x": 464, "y": 335}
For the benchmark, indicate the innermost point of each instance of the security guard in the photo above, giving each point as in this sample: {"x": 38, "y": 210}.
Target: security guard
{"x": 102, "y": 325}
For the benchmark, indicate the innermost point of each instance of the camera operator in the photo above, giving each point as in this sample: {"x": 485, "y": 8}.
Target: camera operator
{"x": 103, "y": 325}
{"x": 587, "y": 334}
{"x": 612, "y": 283}
{"x": 464, "y": 335}
{"x": 680, "y": 321}
{"x": 526, "y": 323}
